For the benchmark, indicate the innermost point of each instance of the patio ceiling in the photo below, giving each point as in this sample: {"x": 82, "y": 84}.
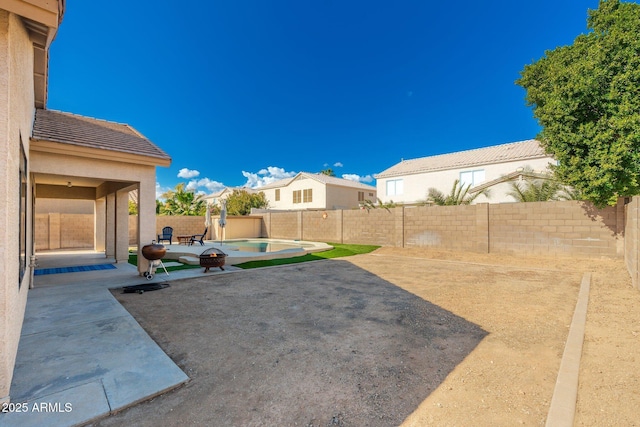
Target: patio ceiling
{"x": 76, "y": 187}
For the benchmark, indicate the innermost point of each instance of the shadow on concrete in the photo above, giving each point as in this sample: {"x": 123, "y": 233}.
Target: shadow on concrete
{"x": 81, "y": 354}
{"x": 321, "y": 343}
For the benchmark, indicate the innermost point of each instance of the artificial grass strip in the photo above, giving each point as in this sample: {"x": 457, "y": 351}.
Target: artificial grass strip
{"x": 133, "y": 260}
{"x": 339, "y": 250}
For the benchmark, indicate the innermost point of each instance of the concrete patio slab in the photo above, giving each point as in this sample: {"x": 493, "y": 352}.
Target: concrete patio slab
{"x": 91, "y": 403}
{"x": 81, "y": 354}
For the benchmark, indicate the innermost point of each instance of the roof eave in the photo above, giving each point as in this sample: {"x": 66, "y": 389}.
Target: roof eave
{"x": 67, "y": 149}
{"x": 41, "y": 19}
{"x": 396, "y": 174}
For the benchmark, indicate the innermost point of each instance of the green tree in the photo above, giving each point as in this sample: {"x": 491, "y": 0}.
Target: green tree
{"x": 133, "y": 208}
{"x": 182, "y": 202}
{"x": 459, "y": 195}
{"x": 240, "y": 202}
{"x": 586, "y": 97}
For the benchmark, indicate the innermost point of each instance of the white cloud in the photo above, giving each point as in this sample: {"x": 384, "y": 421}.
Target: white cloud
{"x": 266, "y": 176}
{"x": 188, "y": 173}
{"x": 338, "y": 165}
{"x": 211, "y": 186}
{"x": 357, "y": 178}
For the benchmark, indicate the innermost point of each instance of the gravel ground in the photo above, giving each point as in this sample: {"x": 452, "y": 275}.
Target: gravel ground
{"x": 399, "y": 336}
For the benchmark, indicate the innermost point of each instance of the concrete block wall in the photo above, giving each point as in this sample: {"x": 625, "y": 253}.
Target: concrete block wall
{"x": 568, "y": 228}
{"x": 462, "y": 228}
{"x": 324, "y": 226}
{"x": 42, "y": 232}
{"x": 76, "y": 231}
{"x": 631, "y": 236}
{"x": 284, "y": 225}
{"x": 381, "y": 227}
{"x": 64, "y": 231}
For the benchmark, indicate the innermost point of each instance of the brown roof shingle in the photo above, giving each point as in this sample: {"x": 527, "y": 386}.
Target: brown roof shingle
{"x": 529, "y": 149}
{"x": 67, "y": 128}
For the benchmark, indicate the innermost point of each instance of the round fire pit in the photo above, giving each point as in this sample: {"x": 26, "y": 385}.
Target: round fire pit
{"x": 212, "y": 258}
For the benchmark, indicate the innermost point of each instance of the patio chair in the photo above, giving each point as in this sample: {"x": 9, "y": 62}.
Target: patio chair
{"x": 167, "y": 234}
{"x": 199, "y": 237}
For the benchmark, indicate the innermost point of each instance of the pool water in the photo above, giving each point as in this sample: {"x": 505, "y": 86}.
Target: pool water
{"x": 249, "y": 246}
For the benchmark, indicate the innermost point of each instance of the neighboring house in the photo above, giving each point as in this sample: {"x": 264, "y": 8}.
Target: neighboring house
{"x": 484, "y": 168}
{"x": 316, "y": 191}
{"x": 215, "y": 198}
{"x": 54, "y": 155}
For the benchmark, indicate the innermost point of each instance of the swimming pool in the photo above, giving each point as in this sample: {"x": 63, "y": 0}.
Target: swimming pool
{"x": 264, "y": 246}
{"x": 243, "y": 250}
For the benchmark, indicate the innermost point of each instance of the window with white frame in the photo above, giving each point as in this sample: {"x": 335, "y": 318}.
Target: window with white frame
{"x": 307, "y": 195}
{"x": 395, "y": 187}
{"x": 472, "y": 178}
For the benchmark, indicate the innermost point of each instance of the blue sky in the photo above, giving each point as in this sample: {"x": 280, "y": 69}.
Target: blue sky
{"x": 245, "y": 92}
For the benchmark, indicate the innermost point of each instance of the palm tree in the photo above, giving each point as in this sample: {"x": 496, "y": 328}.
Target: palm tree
{"x": 459, "y": 195}
{"x": 568, "y": 193}
{"x": 328, "y": 172}
{"x": 540, "y": 187}
{"x": 183, "y": 202}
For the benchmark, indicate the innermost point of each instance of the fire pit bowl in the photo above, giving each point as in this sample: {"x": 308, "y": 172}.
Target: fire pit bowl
{"x": 212, "y": 258}
{"x": 153, "y": 251}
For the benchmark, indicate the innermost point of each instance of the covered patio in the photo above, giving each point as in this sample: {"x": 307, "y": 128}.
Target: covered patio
{"x": 82, "y": 158}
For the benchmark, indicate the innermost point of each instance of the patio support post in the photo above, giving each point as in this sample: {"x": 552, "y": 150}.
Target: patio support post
{"x": 110, "y": 244}
{"x": 122, "y": 226}
{"x": 146, "y": 218}
{"x": 99, "y": 226}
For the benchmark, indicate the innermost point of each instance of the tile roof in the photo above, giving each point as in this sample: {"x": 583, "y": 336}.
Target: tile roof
{"x": 529, "y": 149}
{"x": 332, "y": 180}
{"x": 231, "y": 190}
{"x": 277, "y": 184}
{"x": 67, "y": 128}
{"x": 325, "y": 179}
{"x": 510, "y": 177}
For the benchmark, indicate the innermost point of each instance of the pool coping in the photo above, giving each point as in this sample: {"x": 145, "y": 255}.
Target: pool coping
{"x": 190, "y": 254}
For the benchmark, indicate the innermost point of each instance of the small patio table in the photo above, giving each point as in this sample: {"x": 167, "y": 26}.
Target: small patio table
{"x": 184, "y": 239}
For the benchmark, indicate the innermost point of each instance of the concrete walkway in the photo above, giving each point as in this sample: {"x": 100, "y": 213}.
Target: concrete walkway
{"x": 81, "y": 354}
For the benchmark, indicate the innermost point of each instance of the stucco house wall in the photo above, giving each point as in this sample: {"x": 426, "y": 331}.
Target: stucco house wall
{"x": 347, "y": 198}
{"x": 319, "y": 195}
{"x": 16, "y": 117}
{"x": 416, "y": 186}
{"x": 327, "y": 193}
{"x": 409, "y": 181}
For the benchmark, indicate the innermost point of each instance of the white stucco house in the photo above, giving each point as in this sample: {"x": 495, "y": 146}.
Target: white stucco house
{"x": 490, "y": 168}
{"x": 317, "y": 191}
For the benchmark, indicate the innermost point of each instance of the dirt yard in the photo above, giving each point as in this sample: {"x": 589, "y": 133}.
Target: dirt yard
{"x": 399, "y": 336}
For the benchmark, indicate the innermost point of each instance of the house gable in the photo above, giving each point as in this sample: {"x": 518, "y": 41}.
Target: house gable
{"x": 322, "y": 192}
